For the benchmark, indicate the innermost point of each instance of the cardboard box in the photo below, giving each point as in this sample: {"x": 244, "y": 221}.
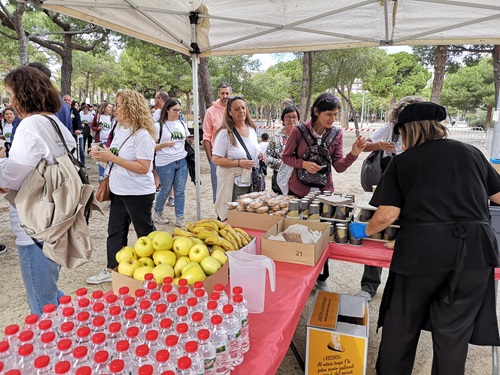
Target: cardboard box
{"x": 118, "y": 280}
{"x": 293, "y": 252}
{"x": 337, "y": 335}
{"x": 252, "y": 220}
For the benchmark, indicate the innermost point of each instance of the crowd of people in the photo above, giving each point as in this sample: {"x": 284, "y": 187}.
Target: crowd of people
{"x": 441, "y": 277}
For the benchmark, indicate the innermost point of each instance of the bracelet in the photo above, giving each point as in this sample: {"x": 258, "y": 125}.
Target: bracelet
{"x": 238, "y": 162}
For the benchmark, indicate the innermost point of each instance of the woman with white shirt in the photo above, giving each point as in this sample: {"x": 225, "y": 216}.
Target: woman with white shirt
{"x": 170, "y": 161}
{"x": 102, "y": 125}
{"x": 7, "y": 124}
{"x": 130, "y": 178}
{"x": 234, "y": 168}
{"x": 33, "y": 96}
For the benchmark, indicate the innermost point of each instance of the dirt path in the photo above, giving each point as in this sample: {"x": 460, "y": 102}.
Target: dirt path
{"x": 344, "y": 277}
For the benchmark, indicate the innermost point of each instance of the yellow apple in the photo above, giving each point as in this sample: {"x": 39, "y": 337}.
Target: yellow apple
{"x": 162, "y": 241}
{"x": 198, "y": 252}
{"x": 182, "y": 245}
{"x": 175, "y": 280}
{"x": 141, "y": 271}
{"x": 153, "y": 234}
{"x": 146, "y": 261}
{"x": 179, "y": 264}
{"x": 210, "y": 265}
{"x": 144, "y": 247}
{"x": 128, "y": 266}
{"x": 220, "y": 256}
{"x": 164, "y": 257}
{"x": 190, "y": 264}
{"x": 161, "y": 271}
{"x": 125, "y": 253}
{"x": 197, "y": 241}
{"x": 194, "y": 274}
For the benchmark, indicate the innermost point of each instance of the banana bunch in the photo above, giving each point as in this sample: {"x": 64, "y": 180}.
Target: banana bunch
{"x": 215, "y": 233}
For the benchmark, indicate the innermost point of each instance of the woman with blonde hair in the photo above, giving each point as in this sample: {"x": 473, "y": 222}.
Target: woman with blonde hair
{"x": 130, "y": 175}
{"x": 233, "y": 142}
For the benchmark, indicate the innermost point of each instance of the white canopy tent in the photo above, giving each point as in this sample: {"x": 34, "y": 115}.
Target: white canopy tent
{"x": 230, "y": 27}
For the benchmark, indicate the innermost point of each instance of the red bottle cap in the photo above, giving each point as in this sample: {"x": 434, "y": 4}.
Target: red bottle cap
{"x": 84, "y": 302}
{"x": 203, "y": 334}
{"x": 238, "y": 298}
{"x": 211, "y": 305}
{"x": 191, "y": 346}
{"x": 132, "y": 332}
{"x": 166, "y": 323}
{"x": 25, "y": 350}
{"x": 42, "y": 361}
{"x": 162, "y": 355}
{"x": 115, "y": 310}
{"x": 152, "y": 335}
{"x": 166, "y": 288}
{"x": 129, "y": 301}
{"x": 147, "y": 319}
{"x": 130, "y": 314}
{"x": 198, "y": 284}
{"x": 172, "y": 298}
{"x": 99, "y": 338}
{"x": 182, "y": 328}
{"x": 49, "y": 308}
{"x": 97, "y": 294}
{"x": 149, "y": 277}
{"x": 45, "y": 324}
{"x": 67, "y": 326}
{"x": 155, "y": 296}
{"x": 83, "y": 331}
{"x": 182, "y": 282}
{"x": 197, "y": 316}
{"x": 167, "y": 280}
{"x": 111, "y": 298}
{"x": 171, "y": 340}
{"x": 216, "y": 319}
{"x": 237, "y": 290}
{"x": 123, "y": 290}
{"x": 227, "y": 309}
{"x": 182, "y": 311}
{"x": 116, "y": 365}
{"x": 12, "y": 329}
{"x": 101, "y": 356}
{"x": 98, "y": 307}
{"x": 142, "y": 350}
{"x": 115, "y": 327}
{"x": 4, "y": 346}
{"x": 215, "y": 296}
{"x": 80, "y": 292}
{"x": 146, "y": 370}
{"x": 68, "y": 311}
{"x": 122, "y": 345}
{"x": 48, "y": 337}
{"x": 64, "y": 344}
{"x": 199, "y": 293}
{"x": 64, "y": 300}
{"x": 140, "y": 293}
{"x": 84, "y": 370}
{"x": 98, "y": 321}
{"x": 62, "y": 367}
{"x": 191, "y": 302}
{"x": 161, "y": 308}
{"x": 26, "y": 335}
{"x": 184, "y": 363}
{"x": 83, "y": 316}
{"x": 183, "y": 290}
{"x": 80, "y": 352}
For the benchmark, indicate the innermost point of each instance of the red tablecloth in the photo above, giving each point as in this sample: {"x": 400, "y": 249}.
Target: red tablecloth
{"x": 272, "y": 331}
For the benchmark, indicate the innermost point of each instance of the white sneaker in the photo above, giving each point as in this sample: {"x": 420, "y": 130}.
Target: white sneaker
{"x": 322, "y": 285}
{"x": 159, "y": 218}
{"x": 103, "y": 277}
{"x": 180, "y": 222}
{"x": 365, "y": 294}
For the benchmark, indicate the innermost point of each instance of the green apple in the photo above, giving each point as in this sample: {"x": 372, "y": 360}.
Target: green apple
{"x": 153, "y": 234}
{"x": 182, "y": 245}
{"x": 198, "y": 252}
{"x": 164, "y": 257}
{"x": 210, "y": 265}
{"x": 146, "y": 261}
{"x": 162, "y": 241}
{"x": 125, "y": 253}
{"x": 196, "y": 241}
{"x": 140, "y": 272}
{"x": 220, "y": 256}
{"x": 190, "y": 264}
{"x": 193, "y": 274}
{"x": 128, "y": 266}
{"x": 179, "y": 264}
{"x": 161, "y": 271}
{"x": 144, "y": 247}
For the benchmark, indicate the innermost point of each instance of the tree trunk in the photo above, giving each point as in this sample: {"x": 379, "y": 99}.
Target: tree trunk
{"x": 305, "y": 90}
{"x": 66, "y": 66}
{"x": 439, "y": 71}
{"x": 205, "y": 90}
{"x": 188, "y": 103}
{"x": 87, "y": 84}
{"x": 496, "y": 71}
{"x": 21, "y": 35}
{"x": 348, "y": 101}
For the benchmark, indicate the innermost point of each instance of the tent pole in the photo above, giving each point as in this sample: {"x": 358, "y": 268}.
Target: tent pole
{"x": 195, "y": 61}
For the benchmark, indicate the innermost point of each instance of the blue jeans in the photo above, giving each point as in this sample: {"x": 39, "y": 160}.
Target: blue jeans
{"x": 102, "y": 170}
{"x": 40, "y": 276}
{"x": 213, "y": 177}
{"x": 174, "y": 174}
{"x": 82, "y": 150}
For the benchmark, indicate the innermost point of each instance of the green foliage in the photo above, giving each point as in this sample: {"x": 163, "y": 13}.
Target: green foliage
{"x": 470, "y": 87}
{"x": 235, "y": 70}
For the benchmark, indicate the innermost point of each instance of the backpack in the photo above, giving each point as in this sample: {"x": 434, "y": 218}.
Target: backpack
{"x": 371, "y": 169}
{"x": 318, "y": 154}
{"x": 55, "y": 203}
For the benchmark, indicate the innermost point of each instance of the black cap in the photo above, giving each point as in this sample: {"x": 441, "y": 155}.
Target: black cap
{"x": 420, "y": 112}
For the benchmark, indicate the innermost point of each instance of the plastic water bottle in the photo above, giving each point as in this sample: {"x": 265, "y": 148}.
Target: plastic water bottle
{"x": 155, "y": 298}
{"x": 160, "y": 312}
{"x": 97, "y": 296}
{"x": 81, "y": 293}
{"x": 142, "y": 357}
{"x": 140, "y": 295}
{"x": 147, "y": 278}
{"x": 43, "y": 326}
{"x": 101, "y": 363}
{"x": 49, "y": 312}
{"x": 211, "y": 311}
{"x": 146, "y": 370}
{"x": 65, "y": 350}
{"x": 97, "y": 309}
{"x": 48, "y": 345}
{"x": 173, "y": 347}
{"x": 172, "y": 306}
{"x": 99, "y": 343}
{"x": 128, "y": 303}
{"x": 84, "y": 305}
{"x": 163, "y": 362}
{"x": 182, "y": 315}
{"x": 31, "y": 322}
{"x": 232, "y": 324}
{"x": 221, "y": 342}
{"x": 117, "y": 367}
{"x": 62, "y": 368}
{"x": 197, "y": 285}
{"x": 146, "y": 325}
{"x": 182, "y": 330}
{"x": 11, "y": 336}
{"x": 166, "y": 328}
{"x": 192, "y": 305}
{"x": 64, "y": 302}
{"x": 197, "y": 362}
{"x": 152, "y": 287}
{"x": 81, "y": 357}
{"x": 25, "y": 359}
{"x": 83, "y": 319}
{"x": 123, "y": 293}
{"x": 145, "y": 307}
{"x": 202, "y": 297}
{"x": 133, "y": 338}
{"x": 83, "y": 336}
{"x": 114, "y": 335}
{"x": 239, "y": 290}
{"x": 28, "y": 337}
{"x": 224, "y": 299}
{"x": 98, "y": 324}
{"x": 6, "y": 355}
{"x": 184, "y": 366}
{"x": 183, "y": 295}
{"x": 167, "y": 280}
{"x": 206, "y": 348}
{"x": 242, "y": 311}
{"x": 114, "y": 315}
{"x": 197, "y": 323}
{"x": 130, "y": 319}
{"x": 152, "y": 342}
{"x": 84, "y": 370}
{"x": 166, "y": 289}
{"x": 111, "y": 300}
{"x": 184, "y": 283}
{"x": 123, "y": 353}
{"x": 42, "y": 365}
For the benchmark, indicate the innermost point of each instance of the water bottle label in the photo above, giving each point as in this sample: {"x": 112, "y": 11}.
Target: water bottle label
{"x": 221, "y": 349}
{"x": 234, "y": 335}
{"x": 209, "y": 363}
{"x": 244, "y": 323}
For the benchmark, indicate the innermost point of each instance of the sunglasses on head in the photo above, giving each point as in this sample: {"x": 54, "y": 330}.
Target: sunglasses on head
{"x": 329, "y": 99}
{"x": 236, "y": 97}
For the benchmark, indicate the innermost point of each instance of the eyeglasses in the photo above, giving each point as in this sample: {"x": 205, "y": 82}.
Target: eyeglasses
{"x": 291, "y": 117}
{"x": 174, "y": 109}
{"x": 236, "y": 97}
{"x": 329, "y": 99}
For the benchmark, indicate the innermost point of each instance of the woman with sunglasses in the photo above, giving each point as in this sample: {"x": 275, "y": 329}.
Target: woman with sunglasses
{"x": 290, "y": 117}
{"x": 170, "y": 161}
{"x": 232, "y": 142}
{"x": 323, "y": 112}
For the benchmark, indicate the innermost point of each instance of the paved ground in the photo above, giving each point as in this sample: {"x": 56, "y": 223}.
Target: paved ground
{"x": 344, "y": 276}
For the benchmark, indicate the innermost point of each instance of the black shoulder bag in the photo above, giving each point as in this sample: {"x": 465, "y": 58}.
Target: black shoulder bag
{"x": 257, "y": 179}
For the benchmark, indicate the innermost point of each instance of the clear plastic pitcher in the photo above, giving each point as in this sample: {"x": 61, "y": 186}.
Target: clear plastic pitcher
{"x": 249, "y": 272}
